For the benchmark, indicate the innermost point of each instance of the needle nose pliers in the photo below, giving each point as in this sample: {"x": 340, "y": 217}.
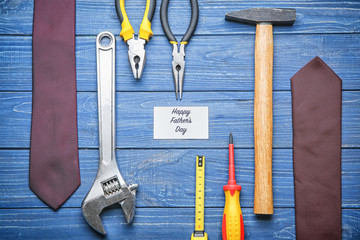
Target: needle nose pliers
{"x": 136, "y": 50}
{"x": 178, "y": 63}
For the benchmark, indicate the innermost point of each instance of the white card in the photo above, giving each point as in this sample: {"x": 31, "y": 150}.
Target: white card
{"x": 181, "y": 123}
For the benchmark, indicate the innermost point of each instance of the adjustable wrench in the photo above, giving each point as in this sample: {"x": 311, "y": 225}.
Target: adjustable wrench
{"x": 109, "y": 186}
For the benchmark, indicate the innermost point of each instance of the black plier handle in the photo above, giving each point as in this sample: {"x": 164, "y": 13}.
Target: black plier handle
{"x": 127, "y": 30}
{"x": 165, "y": 23}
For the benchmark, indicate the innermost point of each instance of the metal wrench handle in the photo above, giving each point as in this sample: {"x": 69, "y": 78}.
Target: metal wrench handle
{"x": 106, "y": 101}
{"x": 109, "y": 186}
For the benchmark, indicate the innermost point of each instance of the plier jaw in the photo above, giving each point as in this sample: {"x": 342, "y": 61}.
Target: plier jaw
{"x": 178, "y": 63}
{"x": 137, "y": 57}
{"x": 178, "y": 68}
{"x": 136, "y": 51}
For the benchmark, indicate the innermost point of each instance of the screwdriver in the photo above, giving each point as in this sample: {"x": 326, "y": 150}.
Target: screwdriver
{"x": 232, "y": 223}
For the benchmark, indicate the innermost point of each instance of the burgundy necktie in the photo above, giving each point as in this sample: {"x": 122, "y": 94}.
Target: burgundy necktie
{"x": 316, "y": 106}
{"x": 54, "y": 163}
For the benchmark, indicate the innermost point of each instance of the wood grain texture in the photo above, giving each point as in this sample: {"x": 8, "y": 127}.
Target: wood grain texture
{"x": 263, "y": 119}
{"x": 228, "y": 112}
{"x": 94, "y": 17}
{"x": 213, "y": 63}
{"x": 169, "y": 223}
{"x": 219, "y": 74}
{"x": 166, "y": 177}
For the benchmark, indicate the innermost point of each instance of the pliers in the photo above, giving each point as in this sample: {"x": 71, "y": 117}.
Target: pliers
{"x": 178, "y": 63}
{"x": 136, "y": 51}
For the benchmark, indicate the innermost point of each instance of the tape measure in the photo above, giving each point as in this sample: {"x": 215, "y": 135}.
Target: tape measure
{"x": 199, "y": 232}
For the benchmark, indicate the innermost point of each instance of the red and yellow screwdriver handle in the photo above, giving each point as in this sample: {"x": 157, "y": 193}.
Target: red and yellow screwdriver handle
{"x": 232, "y": 223}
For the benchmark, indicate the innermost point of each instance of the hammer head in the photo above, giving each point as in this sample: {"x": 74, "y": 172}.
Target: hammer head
{"x": 275, "y": 16}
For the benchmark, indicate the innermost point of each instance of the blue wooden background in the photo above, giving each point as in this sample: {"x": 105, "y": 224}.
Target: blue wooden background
{"x": 219, "y": 74}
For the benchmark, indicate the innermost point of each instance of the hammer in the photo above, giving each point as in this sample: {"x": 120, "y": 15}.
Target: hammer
{"x": 263, "y": 18}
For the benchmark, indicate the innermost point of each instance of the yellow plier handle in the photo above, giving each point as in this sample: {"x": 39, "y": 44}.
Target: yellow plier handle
{"x": 127, "y": 30}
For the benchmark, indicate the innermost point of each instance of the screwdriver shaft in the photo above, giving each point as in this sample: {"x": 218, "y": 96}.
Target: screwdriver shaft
{"x": 232, "y": 224}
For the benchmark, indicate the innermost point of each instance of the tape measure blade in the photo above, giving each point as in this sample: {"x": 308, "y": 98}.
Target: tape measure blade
{"x": 200, "y": 193}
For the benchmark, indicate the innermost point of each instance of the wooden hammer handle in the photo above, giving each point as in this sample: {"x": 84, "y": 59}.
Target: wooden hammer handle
{"x": 263, "y": 117}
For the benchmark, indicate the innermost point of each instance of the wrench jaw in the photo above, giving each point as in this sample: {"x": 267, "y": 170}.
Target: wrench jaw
{"x": 92, "y": 207}
{"x": 91, "y": 211}
{"x": 128, "y": 205}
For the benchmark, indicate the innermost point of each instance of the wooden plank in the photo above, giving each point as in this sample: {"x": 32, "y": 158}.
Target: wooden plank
{"x": 156, "y": 223}
{"x": 221, "y": 53}
{"x": 166, "y": 177}
{"x": 93, "y": 17}
{"x": 227, "y": 67}
{"x": 228, "y": 112}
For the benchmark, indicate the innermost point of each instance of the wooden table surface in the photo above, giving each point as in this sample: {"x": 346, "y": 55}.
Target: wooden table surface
{"x": 220, "y": 75}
